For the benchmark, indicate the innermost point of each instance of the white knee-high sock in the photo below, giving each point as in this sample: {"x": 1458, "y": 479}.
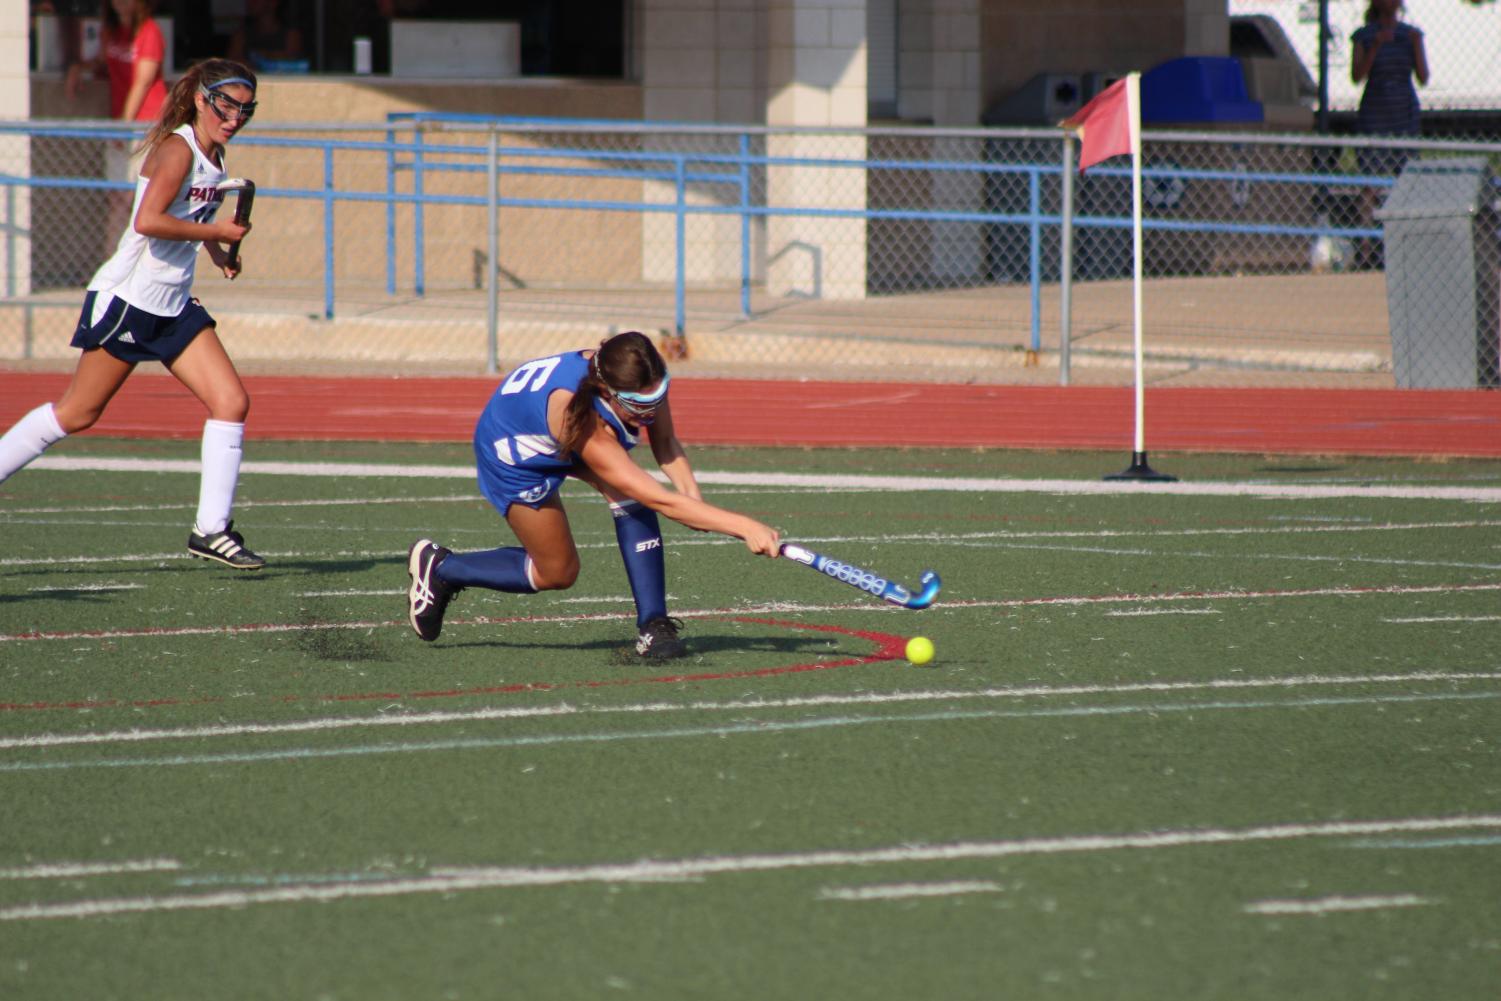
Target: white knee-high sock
{"x": 30, "y": 437}
{"x": 222, "y": 443}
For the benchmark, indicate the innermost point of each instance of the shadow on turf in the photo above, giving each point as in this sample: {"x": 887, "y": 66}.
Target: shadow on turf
{"x": 621, "y": 651}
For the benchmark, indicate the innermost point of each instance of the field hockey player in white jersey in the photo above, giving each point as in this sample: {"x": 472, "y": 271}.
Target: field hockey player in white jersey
{"x": 577, "y": 414}
{"x": 138, "y": 307}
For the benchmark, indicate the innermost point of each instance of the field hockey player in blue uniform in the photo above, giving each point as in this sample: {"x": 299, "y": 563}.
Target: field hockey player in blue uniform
{"x": 578, "y": 414}
{"x": 138, "y": 307}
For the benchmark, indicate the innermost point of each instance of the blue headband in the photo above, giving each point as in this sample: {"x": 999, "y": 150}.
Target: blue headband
{"x": 233, "y": 79}
{"x": 645, "y": 399}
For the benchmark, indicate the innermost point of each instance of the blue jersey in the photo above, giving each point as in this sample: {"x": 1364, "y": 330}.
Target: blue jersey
{"x": 515, "y": 453}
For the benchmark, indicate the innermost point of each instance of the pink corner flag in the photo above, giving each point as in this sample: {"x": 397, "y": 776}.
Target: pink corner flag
{"x": 1104, "y": 125}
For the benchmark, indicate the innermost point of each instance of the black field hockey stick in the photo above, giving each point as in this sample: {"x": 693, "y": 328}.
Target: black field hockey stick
{"x": 881, "y": 587}
{"x": 244, "y": 200}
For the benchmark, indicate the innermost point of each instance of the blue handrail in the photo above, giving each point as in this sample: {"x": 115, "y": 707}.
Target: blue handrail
{"x": 731, "y": 170}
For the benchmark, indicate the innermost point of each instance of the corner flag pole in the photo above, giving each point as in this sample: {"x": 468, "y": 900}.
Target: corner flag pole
{"x": 1139, "y": 468}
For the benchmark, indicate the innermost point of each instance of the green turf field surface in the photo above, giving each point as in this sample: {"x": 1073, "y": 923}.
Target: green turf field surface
{"x": 1238, "y": 744}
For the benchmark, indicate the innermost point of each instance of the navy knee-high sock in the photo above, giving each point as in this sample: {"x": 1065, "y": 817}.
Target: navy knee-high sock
{"x": 496, "y": 569}
{"x": 640, "y": 539}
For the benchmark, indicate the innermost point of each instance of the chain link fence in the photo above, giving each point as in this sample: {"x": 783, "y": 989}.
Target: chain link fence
{"x": 439, "y": 244}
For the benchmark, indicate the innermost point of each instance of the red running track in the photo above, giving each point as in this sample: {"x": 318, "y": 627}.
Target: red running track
{"x": 755, "y": 412}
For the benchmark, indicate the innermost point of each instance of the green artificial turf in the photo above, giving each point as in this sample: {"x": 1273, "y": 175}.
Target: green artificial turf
{"x": 1170, "y": 747}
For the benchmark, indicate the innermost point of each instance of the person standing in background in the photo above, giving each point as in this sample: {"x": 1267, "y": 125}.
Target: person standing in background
{"x": 1388, "y": 54}
{"x": 132, "y": 53}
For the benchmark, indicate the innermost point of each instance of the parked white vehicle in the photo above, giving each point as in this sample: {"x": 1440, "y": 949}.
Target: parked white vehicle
{"x": 1463, "y": 39}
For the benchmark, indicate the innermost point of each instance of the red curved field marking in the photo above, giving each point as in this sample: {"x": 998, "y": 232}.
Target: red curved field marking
{"x": 888, "y": 647}
{"x": 714, "y": 411}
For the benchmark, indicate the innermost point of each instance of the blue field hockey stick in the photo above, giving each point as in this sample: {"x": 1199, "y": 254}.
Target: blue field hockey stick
{"x": 875, "y": 584}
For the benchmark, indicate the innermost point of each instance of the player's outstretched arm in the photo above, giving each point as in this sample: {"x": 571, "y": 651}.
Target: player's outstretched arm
{"x": 608, "y": 461}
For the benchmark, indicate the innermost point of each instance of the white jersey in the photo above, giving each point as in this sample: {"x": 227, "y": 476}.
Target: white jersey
{"x": 155, "y": 274}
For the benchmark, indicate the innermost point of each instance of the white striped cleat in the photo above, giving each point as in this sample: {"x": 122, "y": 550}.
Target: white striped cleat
{"x": 227, "y": 547}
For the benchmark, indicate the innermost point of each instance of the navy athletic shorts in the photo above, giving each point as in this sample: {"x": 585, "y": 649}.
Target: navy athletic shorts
{"x": 134, "y": 335}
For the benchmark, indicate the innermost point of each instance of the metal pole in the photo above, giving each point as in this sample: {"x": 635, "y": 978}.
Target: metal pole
{"x": 1034, "y": 261}
{"x": 680, "y": 306}
{"x": 390, "y": 213}
{"x": 492, "y": 262}
{"x": 328, "y": 231}
{"x": 419, "y": 218}
{"x": 1323, "y": 67}
{"x": 1066, "y": 263}
{"x": 745, "y": 261}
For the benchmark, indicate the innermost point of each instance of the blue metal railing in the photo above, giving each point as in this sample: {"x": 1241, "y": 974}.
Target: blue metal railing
{"x": 731, "y": 171}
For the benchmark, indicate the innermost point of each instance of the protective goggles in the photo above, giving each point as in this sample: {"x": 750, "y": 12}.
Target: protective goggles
{"x": 226, "y": 107}
{"x": 643, "y": 405}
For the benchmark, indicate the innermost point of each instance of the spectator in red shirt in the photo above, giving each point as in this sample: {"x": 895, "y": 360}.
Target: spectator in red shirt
{"x": 132, "y": 51}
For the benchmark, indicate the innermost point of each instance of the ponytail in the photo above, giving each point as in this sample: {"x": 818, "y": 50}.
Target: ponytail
{"x": 576, "y": 419}
{"x": 180, "y": 107}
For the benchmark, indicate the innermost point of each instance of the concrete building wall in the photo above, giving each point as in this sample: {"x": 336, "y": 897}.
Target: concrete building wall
{"x": 799, "y": 63}
{"x": 15, "y": 153}
{"x": 1022, "y": 38}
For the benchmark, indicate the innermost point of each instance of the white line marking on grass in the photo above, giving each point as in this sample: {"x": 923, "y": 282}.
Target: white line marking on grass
{"x": 1489, "y": 495}
{"x": 496, "y": 877}
{"x": 88, "y": 587}
{"x": 319, "y": 502}
{"x": 903, "y": 891}
{"x": 386, "y": 593}
{"x": 1162, "y": 611}
{"x": 1014, "y": 540}
{"x": 71, "y": 870}
{"x": 1446, "y": 618}
{"x": 1192, "y": 554}
{"x": 766, "y": 608}
{"x": 1479, "y": 841}
{"x": 738, "y": 705}
{"x": 1329, "y": 905}
{"x": 728, "y": 730}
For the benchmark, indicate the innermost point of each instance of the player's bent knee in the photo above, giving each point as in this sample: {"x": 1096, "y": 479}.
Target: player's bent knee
{"x": 555, "y": 578}
{"x": 233, "y": 408}
{"x": 74, "y": 421}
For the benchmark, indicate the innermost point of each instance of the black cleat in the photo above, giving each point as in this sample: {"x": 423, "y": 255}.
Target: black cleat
{"x": 227, "y": 547}
{"x": 658, "y": 640}
{"x": 430, "y": 594}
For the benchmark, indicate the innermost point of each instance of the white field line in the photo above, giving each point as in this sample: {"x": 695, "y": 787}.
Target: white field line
{"x": 319, "y": 502}
{"x": 1122, "y": 612}
{"x": 752, "y": 728}
{"x": 89, "y": 587}
{"x": 904, "y": 891}
{"x": 1192, "y": 554}
{"x": 330, "y": 723}
{"x": 1011, "y": 540}
{"x": 1328, "y": 905}
{"x": 763, "y": 609}
{"x": 1473, "y": 841}
{"x": 1446, "y": 618}
{"x": 72, "y": 870}
{"x": 1487, "y": 495}
{"x": 496, "y": 877}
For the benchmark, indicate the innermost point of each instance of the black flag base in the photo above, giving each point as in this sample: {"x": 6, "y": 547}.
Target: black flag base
{"x": 1139, "y": 470}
